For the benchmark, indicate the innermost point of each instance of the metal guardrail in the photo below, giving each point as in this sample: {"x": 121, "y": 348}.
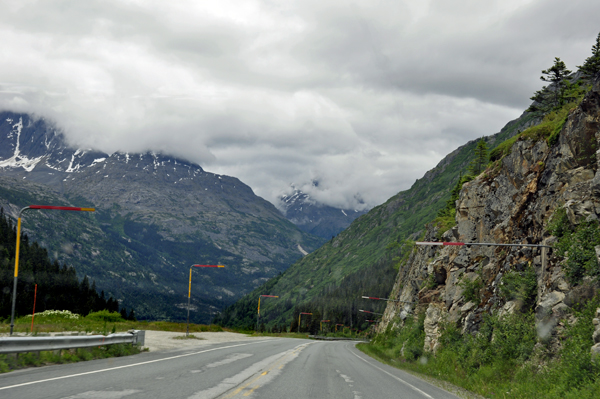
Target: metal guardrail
{"x": 35, "y": 344}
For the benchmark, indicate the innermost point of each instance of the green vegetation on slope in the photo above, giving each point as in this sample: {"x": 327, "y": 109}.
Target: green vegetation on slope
{"x": 577, "y": 244}
{"x": 133, "y": 261}
{"x": 101, "y": 322}
{"x": 548, "y": 129}
{"x": 58, "y": 286}
{"x": 338, "y": 302}
{"x": 521, "y": 354}
{"x": 514, "y": 364}
{"x": 361, "y": 248}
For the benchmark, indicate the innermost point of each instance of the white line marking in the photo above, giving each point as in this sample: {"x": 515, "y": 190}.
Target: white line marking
{"x": 391, "y": 375}
{"x": 229, "y": 359}
{"x": 104, "y": 394}
{"x": 128, "y": 365}
{"x": 227, "y": 387}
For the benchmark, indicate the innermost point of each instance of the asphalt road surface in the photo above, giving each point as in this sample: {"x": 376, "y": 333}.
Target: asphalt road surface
{"x": 266, "y": 369}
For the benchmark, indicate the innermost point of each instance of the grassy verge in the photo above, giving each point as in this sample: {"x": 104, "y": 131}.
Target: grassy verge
{"x": 280, "y": 335}
{"x": 99, "y": 322}
{"x": 383, "y": 358}
{"x": 506, "y": 359}
{"x": 95, "y": 323}
{"x": 23, "y": 360}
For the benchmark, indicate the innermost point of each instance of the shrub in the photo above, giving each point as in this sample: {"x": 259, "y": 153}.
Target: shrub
{"x": 520, "y": 286}
{"x": 559, "y": 224}
{"x": 471, "y": 289}
{"x": 49, "y": 315}
{"x": 549, "y": 129}
{"x": 409, "y": 339}
{"x": 576, "y": 368}
{"x": 105, "y": 316}
{"x": 446, "y": 217}
{"x": 576, "y": 244}
{"x": 503, "y": 149}
{"x": 578, "y": 247}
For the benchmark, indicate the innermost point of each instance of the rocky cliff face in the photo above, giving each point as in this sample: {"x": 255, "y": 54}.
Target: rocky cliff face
{"x": 512, "y": 202}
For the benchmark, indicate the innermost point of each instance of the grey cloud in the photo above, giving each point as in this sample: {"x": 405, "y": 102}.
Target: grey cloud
{"x": 451, "y": 52}
{"x": 364, "y": 96}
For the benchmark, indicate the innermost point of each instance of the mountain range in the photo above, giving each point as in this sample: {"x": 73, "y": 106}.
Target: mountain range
{"x": 316, "y": 218}
{"x": 156, "y": 215}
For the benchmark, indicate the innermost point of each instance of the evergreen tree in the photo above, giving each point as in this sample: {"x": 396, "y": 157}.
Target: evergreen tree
{"x": 478, "y": 164}
{"x": 553, "y": 97}
{"x": 58, "y": 286}
{"x": 591, "y": 66}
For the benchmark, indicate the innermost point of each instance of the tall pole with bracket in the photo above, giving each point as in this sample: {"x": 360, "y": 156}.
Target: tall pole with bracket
{"x": 187, "y": 330}
{"x": 16, "y": 275}
{"x": 258, "y": 316}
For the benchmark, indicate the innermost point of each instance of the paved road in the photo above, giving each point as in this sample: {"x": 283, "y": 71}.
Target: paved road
{"x": 266, "y": 369}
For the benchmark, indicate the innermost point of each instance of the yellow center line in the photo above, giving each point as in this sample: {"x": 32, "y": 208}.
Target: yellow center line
{"x": 240, "y": 389}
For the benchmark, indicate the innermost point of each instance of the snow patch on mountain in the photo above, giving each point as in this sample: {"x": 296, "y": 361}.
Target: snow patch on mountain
{"x": 18, "y": 161}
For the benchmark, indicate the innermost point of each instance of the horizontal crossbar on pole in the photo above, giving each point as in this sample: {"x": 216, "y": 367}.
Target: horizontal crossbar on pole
{"x": 62, "y": 208}
{"x": 481, "y": 244}
{"x": 385, "y": 299}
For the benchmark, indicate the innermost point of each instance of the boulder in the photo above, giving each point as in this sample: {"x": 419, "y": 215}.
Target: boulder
{"x": 433, "y": 316}
{"x": 548, "y": 301}
{"x": 595, "y": 352}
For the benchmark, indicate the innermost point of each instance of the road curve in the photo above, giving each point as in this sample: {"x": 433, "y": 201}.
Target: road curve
{"x": 266, "y": 369}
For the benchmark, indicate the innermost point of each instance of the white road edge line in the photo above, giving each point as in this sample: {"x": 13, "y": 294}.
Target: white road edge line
{"x": 127, "y": 365}
{"x": 391, "y": 375}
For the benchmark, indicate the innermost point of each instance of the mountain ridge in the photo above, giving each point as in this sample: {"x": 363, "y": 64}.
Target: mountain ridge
{"x": 156, "y": 215}
{"x": 316, "y": 218}
{"x": 375, "y": 238}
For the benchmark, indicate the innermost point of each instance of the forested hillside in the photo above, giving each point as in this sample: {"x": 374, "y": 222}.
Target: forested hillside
{"x": 372, "y": 245}
{"x": 58, "y": 287}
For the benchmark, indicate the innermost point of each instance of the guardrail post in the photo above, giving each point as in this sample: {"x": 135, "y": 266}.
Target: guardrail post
{"x": 139, "y": 337}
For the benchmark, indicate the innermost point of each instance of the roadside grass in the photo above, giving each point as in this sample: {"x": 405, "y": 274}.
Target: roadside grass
{"x": 506, "y": 359}
{"x": 254, "y": 333}
{"x": 280, "y": 335}
{"x": 102, "y": 322}
{"x": 33, "y": 359}
{"x": 303, "y": 335}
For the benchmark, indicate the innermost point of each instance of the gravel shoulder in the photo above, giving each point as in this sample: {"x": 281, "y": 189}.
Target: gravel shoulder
{"x": 165, "y": 340}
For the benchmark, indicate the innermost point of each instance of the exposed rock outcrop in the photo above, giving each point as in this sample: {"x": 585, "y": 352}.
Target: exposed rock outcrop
{"x": 596, "y": 336}
{"x": 511, "y": 202}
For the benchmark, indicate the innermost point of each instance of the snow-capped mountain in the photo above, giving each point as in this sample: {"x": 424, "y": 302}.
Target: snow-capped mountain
{"x": 155, "y": 216}
{"x": 35, "y": 150}
{"x": 316, "y": 218}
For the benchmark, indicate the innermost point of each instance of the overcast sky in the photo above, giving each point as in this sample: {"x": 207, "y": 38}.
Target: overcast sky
{"x": 363, "y": 96}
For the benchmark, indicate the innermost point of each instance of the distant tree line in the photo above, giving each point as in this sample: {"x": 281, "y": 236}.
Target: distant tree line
{"x": 339, "y": 302}
{"x": 58, "y": 287}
